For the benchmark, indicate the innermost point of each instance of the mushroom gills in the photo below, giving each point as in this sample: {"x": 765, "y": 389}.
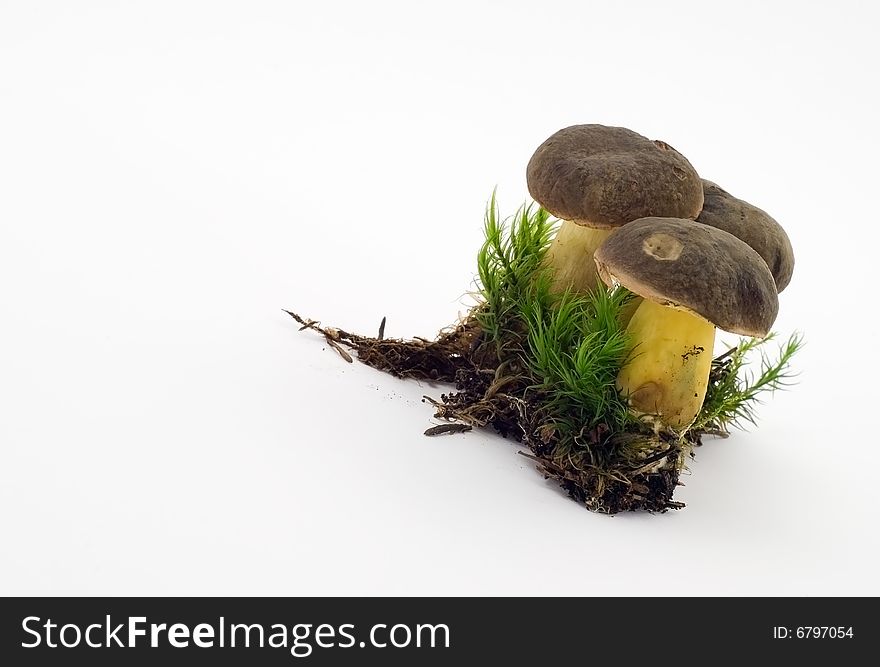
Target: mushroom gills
{"x": 668, "y": 372}
{"x": 570, "y": 257}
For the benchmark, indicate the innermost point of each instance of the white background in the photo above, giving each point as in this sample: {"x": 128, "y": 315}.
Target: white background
{"x": 172, "y": 174}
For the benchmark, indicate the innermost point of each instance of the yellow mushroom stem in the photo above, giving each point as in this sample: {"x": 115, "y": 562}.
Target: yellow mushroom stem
{"x": 668, "y": 372}
{"x": 571, "y": 257}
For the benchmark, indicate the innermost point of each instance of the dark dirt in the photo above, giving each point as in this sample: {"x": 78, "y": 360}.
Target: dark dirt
{"x": 491, "y": 394}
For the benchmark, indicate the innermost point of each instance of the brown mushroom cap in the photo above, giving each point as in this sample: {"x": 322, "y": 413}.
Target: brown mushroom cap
{"x": 752, "y": 225}
{"x": 693, "y": 267}
{"x": 605, "y": 177}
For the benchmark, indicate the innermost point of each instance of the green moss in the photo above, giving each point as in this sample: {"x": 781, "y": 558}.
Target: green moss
{"x": 541, "y": 368}
{"x": 570, "y": 347}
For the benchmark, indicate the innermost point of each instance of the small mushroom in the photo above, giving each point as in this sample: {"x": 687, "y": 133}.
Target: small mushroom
{"x": 693, "y": 277}
{"x": 752, "y": 225}
{"x": 596, "y": 178}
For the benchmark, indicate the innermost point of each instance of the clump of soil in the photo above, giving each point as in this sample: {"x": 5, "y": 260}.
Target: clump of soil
{"x": 614, "y": 472}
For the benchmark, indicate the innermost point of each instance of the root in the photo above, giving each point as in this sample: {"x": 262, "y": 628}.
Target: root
{"x": 637, "y": 471}
{"x": 421, "y": 359}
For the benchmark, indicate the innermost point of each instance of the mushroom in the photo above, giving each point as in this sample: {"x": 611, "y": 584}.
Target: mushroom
{"x": 693, "y": 277}
{"x": 752, "y": 225}
{"x": 596, "y": 178}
